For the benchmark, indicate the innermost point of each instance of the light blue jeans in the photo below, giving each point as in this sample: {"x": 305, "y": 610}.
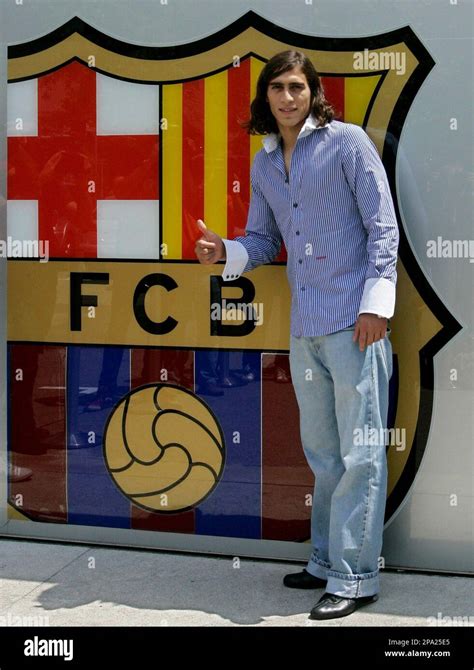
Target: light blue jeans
{"x": 342, "y": 395}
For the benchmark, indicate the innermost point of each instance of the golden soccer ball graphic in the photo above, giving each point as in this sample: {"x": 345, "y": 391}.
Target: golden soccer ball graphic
{"x": 164, "y": 448}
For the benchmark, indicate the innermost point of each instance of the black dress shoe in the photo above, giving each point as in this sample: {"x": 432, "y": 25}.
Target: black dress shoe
{"x": 330, "y": 606}
{"x": 303, "y": 580}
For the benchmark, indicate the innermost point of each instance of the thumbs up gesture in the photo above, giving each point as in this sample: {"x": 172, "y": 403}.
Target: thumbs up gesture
{"x": 209, "y": 248}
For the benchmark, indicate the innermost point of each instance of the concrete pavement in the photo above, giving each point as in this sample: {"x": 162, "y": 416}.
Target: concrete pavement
{"x": 57, "y": 584}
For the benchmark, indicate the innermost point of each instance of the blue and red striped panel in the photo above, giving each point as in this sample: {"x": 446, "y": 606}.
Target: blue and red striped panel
{"x": 60, "y": 399}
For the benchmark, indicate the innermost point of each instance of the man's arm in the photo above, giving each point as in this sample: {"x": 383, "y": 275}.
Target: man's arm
{"x": 367, "y": 179}
{"x": 261, "y": 242}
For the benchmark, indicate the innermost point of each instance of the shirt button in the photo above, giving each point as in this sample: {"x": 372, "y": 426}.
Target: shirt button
{"x": 297, "y": 232}
{"x": 300, "y": 261}
{"x": 286, "y": 180}
{"x": 295, "y": 204}
{"x": 302, "y": 288}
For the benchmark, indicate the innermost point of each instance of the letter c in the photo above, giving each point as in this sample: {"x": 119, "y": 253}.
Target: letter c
{"x": 153, "y": 327}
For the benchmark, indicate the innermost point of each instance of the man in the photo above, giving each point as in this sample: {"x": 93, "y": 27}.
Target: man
{"x": 319, "y": 185}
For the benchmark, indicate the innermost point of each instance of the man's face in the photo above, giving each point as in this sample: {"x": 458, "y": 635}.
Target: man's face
{"x": 289, "y": 97}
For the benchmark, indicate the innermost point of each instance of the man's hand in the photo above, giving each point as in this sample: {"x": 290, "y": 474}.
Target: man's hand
{"x": 209, "y": 248}
{"x": 369, "y": 328}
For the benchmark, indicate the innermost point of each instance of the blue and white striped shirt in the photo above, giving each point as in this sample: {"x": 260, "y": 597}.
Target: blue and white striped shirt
{"x": 334, "y": 211}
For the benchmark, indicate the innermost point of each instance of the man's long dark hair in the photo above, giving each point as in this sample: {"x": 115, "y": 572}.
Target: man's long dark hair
{"x": 262, "y": 120}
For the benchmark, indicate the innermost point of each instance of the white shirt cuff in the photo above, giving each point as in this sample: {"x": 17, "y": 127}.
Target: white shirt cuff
{"x": 378, "y": 297}
{"x": 237, "y": 258}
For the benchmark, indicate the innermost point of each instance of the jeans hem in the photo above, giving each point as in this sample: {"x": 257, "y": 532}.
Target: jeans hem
{"x": 345, "y": 585}
{"x": 353, "y": 588}
{"x": 318, "y": 568}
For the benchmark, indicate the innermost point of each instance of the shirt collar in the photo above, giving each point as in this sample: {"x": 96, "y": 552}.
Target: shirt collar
{"x": 271, "y": 141}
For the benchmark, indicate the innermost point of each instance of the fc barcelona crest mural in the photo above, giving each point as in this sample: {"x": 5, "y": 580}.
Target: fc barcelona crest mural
{"x": 132, "y": 402}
